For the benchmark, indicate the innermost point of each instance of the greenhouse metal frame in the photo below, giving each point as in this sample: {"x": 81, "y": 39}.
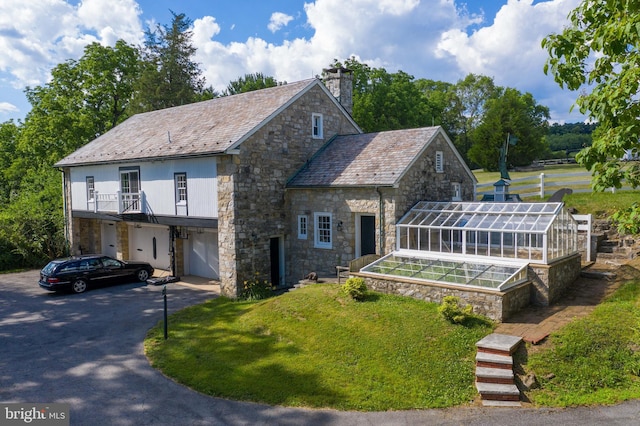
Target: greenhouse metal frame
{"x": 536, "y": 232}
{"x": 478, "y": 244}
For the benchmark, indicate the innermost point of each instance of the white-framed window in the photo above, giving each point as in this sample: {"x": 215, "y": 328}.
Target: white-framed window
{"x": 303, "y": 228}
{"x": 316, "y": 126}
{"x": 91, "y": 188}
{"x": 181, "y": 188}
{"x": 457, "y": 192}
{"x": 439, "y": 162}
{"x": 322, "y": 233}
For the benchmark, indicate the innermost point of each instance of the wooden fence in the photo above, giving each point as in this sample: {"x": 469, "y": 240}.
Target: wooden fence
{"x": 545, "y": 184}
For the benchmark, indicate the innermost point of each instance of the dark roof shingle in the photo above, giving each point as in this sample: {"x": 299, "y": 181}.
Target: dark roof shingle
{"x": 370, "y": 159}
{"x": 207, "y": 127}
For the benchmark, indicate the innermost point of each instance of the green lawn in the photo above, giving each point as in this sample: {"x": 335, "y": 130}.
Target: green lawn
{"x": 491, "y": 177}
{"x": 315, "y": 348}
{"x": 595, "y": 360}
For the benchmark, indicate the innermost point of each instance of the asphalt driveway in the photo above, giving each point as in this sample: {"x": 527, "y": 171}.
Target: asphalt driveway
{"x": 86, "y": 350}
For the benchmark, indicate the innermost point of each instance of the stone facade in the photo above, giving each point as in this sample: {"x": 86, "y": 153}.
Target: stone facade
{"x": 252, "y": 206}
{"x": 497, "y": 305}
{"x": 345, "y": 205}
{"x": 86, "y": 236}
{"x": 387, "y": 204}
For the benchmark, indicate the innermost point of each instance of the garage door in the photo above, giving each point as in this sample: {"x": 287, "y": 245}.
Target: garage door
{"x": 203, "y": 254}
{"x": 150, "y": 244}
{"x": 109, "y": 238}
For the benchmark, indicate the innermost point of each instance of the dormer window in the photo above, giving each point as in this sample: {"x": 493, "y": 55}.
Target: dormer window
{"x": 316, "y": 126}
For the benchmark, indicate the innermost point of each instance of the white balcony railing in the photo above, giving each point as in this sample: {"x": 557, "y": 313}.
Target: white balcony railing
{"x": 119, "y": 202}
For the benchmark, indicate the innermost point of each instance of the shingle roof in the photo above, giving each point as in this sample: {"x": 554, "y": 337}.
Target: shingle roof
{"x": 370, "y": 159}
{"x": 207, "y": 127}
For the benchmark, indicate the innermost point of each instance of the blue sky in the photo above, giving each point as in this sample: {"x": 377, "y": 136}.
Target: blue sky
{"x": 292, "y": 40}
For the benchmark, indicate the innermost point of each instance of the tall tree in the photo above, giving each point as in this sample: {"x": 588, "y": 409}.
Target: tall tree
{"x": 386, "y": 101}
{"x": 437, "y": 96}
{"x": 466, "y": 108}
{"x": 515, "y": 117}
{"x": 170, "y": 76}
{"x": 8, "y": 140}
{"x": 84, "y": 99}
{"x": 598, "y": 53}
{"x": 250, "y": 82}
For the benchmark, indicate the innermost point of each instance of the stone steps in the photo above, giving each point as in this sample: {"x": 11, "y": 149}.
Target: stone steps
{"x": 617, "y": 251}
{"x": 495, "y": 380}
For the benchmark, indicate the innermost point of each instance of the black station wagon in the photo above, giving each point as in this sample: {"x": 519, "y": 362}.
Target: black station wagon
{"x": 78, "y": 272}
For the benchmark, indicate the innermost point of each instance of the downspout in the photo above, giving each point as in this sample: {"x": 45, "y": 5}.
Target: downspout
{"x": 381, "y": 220}
{"x": 64, "y": 210}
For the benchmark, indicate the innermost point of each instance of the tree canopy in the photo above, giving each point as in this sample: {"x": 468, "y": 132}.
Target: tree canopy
{"x": 169, "y": 77}
{"x": 249, "y": 83}
{"x": 514, "y": 116}
{"x": 386, "y": 101}
{"x": 598, "y": 54}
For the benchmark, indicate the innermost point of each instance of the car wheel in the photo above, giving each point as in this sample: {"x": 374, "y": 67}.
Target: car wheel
{"x": 79, "y": 286}
{"x": 142, "y": 275}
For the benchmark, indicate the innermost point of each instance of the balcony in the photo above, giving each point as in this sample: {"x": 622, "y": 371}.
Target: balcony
{"x": 121, "y": 203}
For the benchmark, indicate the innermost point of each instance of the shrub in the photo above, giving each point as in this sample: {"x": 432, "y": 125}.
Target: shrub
{"x": 451, "y": 310}
{"x": 355, "y": 288}
{"x": 256, "y": 289}
{"x": 626, "y": 220}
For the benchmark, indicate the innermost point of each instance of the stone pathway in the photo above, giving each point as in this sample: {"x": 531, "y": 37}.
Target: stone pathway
{"x": 535, "y": 323}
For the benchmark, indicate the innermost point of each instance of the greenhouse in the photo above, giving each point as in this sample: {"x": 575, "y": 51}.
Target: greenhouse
{"x": 535, "y": 232}
{"x": 451, "y": 271}
{"x": 478, "y": 244}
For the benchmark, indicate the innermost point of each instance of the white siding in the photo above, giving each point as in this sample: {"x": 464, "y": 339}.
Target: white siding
{"x": 157, "y": 182}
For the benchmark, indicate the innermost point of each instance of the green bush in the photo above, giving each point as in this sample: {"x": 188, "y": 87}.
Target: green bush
{"x": 451, "y": 310}
{"x": 627, "y": 220}
{"x": 256, "y": 289}
{"x": 355, "y": 288}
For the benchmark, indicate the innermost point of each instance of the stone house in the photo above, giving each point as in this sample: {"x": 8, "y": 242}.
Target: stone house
{"x": 273, "y": 183}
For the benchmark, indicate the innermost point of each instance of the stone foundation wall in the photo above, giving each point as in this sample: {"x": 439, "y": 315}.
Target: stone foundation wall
{"x": 493, "y": 304}
{"x": 551, "y": 281}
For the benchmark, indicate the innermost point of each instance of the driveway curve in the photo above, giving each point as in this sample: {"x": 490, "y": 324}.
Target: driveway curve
{"x": 87, "y": 350}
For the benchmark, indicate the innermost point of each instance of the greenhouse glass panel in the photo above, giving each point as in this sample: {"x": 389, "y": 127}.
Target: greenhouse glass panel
{"x": 529, "y": 231}
{"x": 454, "y": 272}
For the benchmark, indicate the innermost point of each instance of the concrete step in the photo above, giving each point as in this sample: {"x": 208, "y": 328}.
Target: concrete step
{"x": 498, "y": 392}
{"x": 489, "y": 360}
{"x": 507, "y": 404}
{"x": 495, "y": 375}
{"x": 499, "y": 344}
{"x": 598, "y": 275}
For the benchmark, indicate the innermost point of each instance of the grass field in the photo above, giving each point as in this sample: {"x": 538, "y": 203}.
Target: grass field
{"x": 490, "y": 177}
{"x": 315, "y": 348}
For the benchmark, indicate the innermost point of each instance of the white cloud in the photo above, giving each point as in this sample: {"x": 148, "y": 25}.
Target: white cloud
{"x": 434, "y": 39}
{"x": 7, "y": 107}
{"x": 509, "y": 50}
{"x": 37, "y": 35}
{"x": 278, "y": 20}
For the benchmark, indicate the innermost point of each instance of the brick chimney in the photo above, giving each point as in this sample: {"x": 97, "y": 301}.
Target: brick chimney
{"x": 339, "y": 81}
